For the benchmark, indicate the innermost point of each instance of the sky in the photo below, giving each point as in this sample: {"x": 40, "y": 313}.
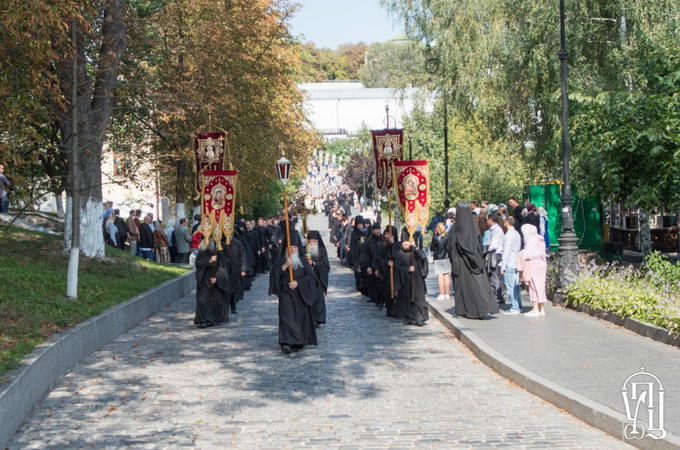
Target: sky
{"x": 329, "y": 23}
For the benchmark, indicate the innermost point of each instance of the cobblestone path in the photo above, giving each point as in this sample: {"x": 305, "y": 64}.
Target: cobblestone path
{"x": 371, "y": 383}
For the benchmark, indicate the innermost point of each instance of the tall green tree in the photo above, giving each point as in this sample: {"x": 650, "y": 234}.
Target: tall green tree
{"x": 497, "y": 59}
{"x": 397, "y": 63}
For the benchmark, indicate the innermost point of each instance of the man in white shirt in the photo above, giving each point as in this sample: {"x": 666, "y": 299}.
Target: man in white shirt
{"x": 508, "y": 266}
{"x": 496, "y": 238}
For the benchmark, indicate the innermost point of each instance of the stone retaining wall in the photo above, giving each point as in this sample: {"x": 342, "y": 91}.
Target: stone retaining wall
{"x": 28, "y": 384}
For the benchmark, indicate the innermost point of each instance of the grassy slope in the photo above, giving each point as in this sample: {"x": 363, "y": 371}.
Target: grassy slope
{"x": 33, "y": 286}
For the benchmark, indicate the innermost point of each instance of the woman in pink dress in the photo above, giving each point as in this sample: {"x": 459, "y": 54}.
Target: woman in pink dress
{"x": 535, "y": 268}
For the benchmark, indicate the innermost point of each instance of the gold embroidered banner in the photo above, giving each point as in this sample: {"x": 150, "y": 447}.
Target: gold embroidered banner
{"x": 209, "y": 151}
{"x": 217, "y": 204}
{"x": 412, "y": 179}
{"x": 387, "y": 148}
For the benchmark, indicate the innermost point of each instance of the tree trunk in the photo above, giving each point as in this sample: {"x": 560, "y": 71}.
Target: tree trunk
{"x": 60, "y": 203}
{"x": 95, "y": 104}
{"x": 180, "y": 199}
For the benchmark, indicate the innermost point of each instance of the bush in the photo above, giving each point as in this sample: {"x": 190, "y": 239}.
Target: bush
{"x": 650, "y": 294}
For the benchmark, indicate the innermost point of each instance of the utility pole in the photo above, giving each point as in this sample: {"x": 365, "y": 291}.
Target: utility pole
{"x": 74, "y": 256}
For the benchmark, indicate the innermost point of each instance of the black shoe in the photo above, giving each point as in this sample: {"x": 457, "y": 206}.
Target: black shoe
{"x": 209, "y": 324}
{"x": 201, "y": 325}
{"x": 233, "y": 310}
{"x": 297, "y": 348}
{"x": 286, "y": 349}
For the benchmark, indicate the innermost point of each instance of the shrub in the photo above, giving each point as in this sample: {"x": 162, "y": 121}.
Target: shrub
{"x": 650, "y": 294}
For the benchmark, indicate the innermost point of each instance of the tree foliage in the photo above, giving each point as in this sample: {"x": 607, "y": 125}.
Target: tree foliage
{"x": 325, "y": 64}
{"x": 496, "y": 61}
{"x": 226, "y": 65}
{"x": 393, "y": 64}
{"x": 629, "y": 141}
{"x": 171, "y": 68}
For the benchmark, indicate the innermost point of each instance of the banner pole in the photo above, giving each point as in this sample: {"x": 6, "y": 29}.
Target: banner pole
{"x": 389, "y": 218}
{"x": 285, "y": 212}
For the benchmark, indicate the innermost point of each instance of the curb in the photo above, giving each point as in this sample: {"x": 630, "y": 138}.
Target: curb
{"x": 590, "y": 411}
{"x": 49, "y": 361}
{"x": 642, "y": 328}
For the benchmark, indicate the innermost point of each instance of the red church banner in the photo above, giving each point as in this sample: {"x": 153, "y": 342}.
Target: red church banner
{"x": 209, "y": 151}
{"x": 217, "y": 204}
{"x": 387, "y": 148}
{"x": 413, "y": 191}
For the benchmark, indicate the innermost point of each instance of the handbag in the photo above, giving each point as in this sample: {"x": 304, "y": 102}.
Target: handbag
{"x": 491, "y": 260}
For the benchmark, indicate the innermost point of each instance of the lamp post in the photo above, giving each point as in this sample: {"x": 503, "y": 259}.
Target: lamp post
{"x": 447, "y": 204}
{"x": 568, "y": 253}
{"x": 283, "y": 170}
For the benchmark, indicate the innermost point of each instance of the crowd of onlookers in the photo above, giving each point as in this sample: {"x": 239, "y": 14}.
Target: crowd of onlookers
{"x": 165, "y": 242}
{"x": 143, "y": 236}
{"x": 514, "y": 239}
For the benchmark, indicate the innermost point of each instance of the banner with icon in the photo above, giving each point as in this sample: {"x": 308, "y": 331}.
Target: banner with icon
{"x": 209, "y": 151}
{"x": 218, "y": 197}
{"x": 387, "y": 148}
{"x": 412, "y": 179}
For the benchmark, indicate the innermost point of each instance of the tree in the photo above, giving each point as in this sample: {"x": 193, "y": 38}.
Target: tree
{"x": 628, "y": 142}
{"x": 235, "y": 58}
{"x": 324, "y": 64}
{"x": 239, "y": 77}
{"x": 497, "y": 60}
{"x": 393, "y": 64}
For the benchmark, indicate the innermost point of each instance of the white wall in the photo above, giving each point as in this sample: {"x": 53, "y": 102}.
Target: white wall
{"x": 349, "y": 104}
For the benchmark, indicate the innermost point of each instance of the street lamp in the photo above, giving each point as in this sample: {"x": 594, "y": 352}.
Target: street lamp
{"x": 432, "y": 66}
{"x": 283, "y": 170}
{"x": 568, "y": 253}
{"x": 446, "y": 155}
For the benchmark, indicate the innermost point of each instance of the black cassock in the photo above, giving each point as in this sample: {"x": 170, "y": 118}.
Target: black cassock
{"x": 237, "y": 263}
{"x": 474, "y": 297}
{"x": 410, "y": 286}
{"x": 211, "y": 299}
{"x": 369, "y": 251}
{"x": 321, "y": 269}
{"x": 296, "y": 319}
{"x": 385, "y": 253}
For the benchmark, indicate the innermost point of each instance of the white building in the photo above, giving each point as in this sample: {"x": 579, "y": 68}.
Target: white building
{"x": 341, "y": 108}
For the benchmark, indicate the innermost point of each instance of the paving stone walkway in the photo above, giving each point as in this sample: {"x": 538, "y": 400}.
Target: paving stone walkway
{"x": 371, "y": 383}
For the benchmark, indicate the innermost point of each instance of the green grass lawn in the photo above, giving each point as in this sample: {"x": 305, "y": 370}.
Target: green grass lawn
{"x": 33, "y": 305}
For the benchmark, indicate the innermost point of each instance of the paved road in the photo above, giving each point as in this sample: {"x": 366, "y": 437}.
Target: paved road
{"x": 371, "y": 383}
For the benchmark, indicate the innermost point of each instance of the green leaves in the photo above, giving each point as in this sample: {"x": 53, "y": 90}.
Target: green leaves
{"x": 651, "y": 294}
{"x": 624, "y": 137}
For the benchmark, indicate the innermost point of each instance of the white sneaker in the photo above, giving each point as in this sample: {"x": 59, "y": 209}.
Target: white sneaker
{"x": 542, "y": 312}
{"x": 511, "y": 311}
{"x": 447, "y": 297}
{"x": 441, "y": 297}
{"x": 532, "y": 313}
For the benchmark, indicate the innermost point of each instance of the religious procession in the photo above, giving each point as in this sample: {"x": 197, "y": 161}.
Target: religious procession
{"x": 386, "y": 259}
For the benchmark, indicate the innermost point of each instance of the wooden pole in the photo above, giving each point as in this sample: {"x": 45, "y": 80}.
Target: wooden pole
{"x": 74, "y": 257}
{"x": 285, "y": 212}
{"x": 389, "y": 219}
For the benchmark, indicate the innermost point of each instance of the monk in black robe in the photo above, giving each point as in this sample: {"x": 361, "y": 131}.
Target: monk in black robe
{"x": 212, "y": 286}
{"x": 318, "y": 258}
{"x": 474, "y": 297}
{"x": 354, "y": 241}
{"x": 368, "y": 263}
{"x": 296, "y": 319}
{"x": 410, "y": 271}
{"x": 386, "y": 252}
{"x": 251, "y": 254}
{"x": 237, "y": 265}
